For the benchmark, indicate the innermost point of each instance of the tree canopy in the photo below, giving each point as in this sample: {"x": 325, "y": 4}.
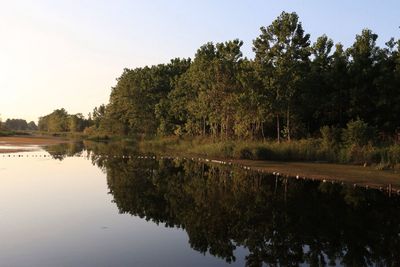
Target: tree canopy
{"x": 60, "y": 121}
{"x": 19, "y": 125}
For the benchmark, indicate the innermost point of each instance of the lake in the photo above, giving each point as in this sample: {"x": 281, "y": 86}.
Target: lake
{"x": 95, "y": 204}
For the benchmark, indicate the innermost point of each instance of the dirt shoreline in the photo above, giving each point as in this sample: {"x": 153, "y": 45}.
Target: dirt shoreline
{"x": 27, "y": 143}
{"x": 327, "y": 172}
{"x": 353, "y": 175}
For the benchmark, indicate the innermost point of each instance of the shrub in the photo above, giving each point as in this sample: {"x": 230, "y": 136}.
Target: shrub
{"x": 330, "y": 137}
{"x": 245, "y": 153}
{"x": 358, "y": 133}
{"x": 361, "y": 154}
{"x": 227, "y": 149}
{"x": 262, "y": 153}
{"x": 393, "y": 154}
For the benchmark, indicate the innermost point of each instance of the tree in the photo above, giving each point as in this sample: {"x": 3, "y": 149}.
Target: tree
{"x": 339, "y": 80}
{"x": 32, "y": 126}
{"x": 363, "y": 70}
{"x": 133, "y": 100}
{"x": 98, "y": 115}
{"x": 76, "y": 123}
{"x": 289, "y": 83}
{"x": 282, "y": 52}
{"x": 320, "y": 83}
{"x": 387, "y": 111}
{"x": 16, "y": 124}
{"x": 203, "y": 98}
{"x": 252, "y": 108}
{"x": 60, "y": 121}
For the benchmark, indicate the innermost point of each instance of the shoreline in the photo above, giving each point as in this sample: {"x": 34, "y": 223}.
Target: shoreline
{"x": 327, "y": 172}
{"x": 330, "y": 172}
{"x": 293, "y": 166}
{"x": 27, "y": 143}
{"x": 354, "y": 175}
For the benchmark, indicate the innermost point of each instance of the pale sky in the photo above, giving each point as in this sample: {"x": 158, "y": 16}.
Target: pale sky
{"x": 68, "y": 54}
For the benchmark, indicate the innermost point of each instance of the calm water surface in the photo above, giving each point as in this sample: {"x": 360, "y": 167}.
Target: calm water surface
{"x": 88, "y": 206}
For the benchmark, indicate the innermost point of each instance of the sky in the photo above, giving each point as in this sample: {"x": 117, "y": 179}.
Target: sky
{"x": 68, "y": 54}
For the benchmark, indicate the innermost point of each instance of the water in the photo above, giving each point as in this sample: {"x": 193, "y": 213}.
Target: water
{"x": 85, "y": 205}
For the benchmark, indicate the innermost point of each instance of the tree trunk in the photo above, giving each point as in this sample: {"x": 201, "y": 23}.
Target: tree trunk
{"x": 278, "y": 129}
{"x": 204, "y": 126}
{"x": 227, "y": 128}
{"x": 288, "y": 123}
{"x": 262, "y": 131}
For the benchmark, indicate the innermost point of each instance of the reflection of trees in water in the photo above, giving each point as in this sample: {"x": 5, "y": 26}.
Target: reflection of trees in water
{"x": 63, "y": 150}
{"x": 97, "y": 150}
{"x": 312, "y": 222}
{"x": 280, "y": 222}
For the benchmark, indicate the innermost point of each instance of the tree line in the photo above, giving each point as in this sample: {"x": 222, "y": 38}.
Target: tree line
{"x": 290, "y": 89}
{"x": 60, "y": 121}
{"x": 18, "y": 125}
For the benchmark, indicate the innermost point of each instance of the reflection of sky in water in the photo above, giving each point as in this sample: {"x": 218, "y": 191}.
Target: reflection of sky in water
{"x": 60, "y": 214}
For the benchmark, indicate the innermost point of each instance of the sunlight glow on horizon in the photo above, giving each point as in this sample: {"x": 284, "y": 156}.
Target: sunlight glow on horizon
{"x": 68, "y": 54}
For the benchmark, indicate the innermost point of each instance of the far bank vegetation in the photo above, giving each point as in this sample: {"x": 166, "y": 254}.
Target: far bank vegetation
{"x": 295, "y": 100}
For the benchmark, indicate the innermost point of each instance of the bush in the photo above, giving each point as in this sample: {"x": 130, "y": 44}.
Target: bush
{"x": 358, "y": 133}
{"x": 361, "y": 154}
{"x": 227, "y": 149}
{"x": 331, "y": 137}
{"x": 245, "y": 153}
{"x": 262, "y": 153}
{"x": 394, "y": 154}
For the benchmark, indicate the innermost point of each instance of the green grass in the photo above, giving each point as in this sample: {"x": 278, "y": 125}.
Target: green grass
{"x": 4, "y": 133}
{"x": 304, "y": 150}
{"x": 307, "y": 158}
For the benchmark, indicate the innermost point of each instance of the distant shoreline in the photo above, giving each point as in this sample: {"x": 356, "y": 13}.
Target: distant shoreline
{"x": 27, "y": 143}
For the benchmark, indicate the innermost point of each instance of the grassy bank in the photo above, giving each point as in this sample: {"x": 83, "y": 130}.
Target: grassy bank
{"x": 309, "y": 158}
{"x": 305, "y": 150}
{"x": 4, "y": 133}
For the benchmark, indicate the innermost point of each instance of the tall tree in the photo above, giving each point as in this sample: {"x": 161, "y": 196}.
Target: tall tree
{"x": 315, "y": 101}
{"x": 339, "y": 80}
{"x": 204, "y": 97}
{"x": 387, "y": 114}
{"x": 282, "y": 51}
{"x": 363, "y": 69}
{"x": 133, "y": 100}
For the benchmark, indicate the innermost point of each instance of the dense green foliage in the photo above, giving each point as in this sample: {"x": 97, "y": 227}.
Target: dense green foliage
{"x": 132, "y": 107}
{"x": 19, "y": 125}
{"x": 60, "y": 121}
{"x": 291, "y": 88}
